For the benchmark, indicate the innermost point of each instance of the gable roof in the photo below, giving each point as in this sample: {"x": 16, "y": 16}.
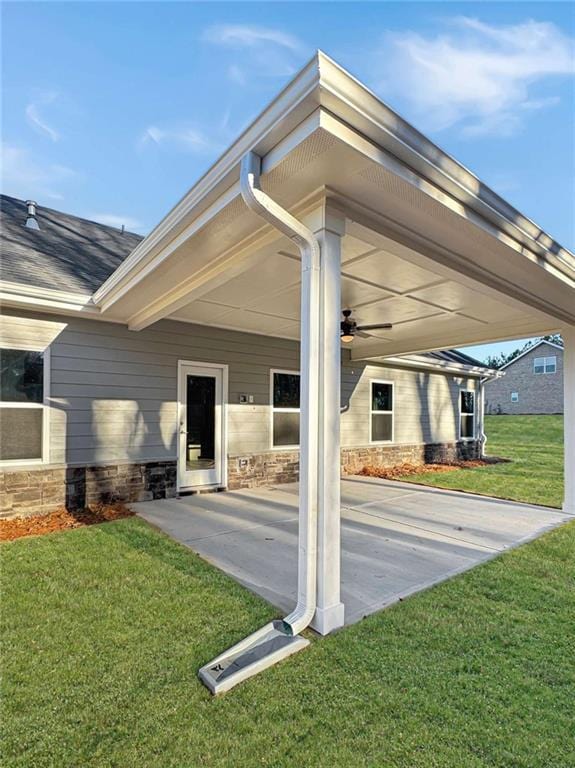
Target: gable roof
{"x": 67, "y": 253}
{"x": 527, "y": 351}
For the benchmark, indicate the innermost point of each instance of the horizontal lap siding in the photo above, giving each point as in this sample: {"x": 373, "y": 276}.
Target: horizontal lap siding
{"x": 114, "y": 392}
{"x": 426, "y": 406}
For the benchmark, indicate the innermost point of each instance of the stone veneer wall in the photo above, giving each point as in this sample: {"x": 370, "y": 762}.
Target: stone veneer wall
{"x": 260, "y": 469}
{"x": 354, "y": 459}
{"x": 283, "y": 466}
{"x": 39, "y": 491}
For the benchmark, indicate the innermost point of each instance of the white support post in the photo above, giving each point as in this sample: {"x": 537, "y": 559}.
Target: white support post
{"x": 568, "y": 335}
{"x": 330, "y": 610}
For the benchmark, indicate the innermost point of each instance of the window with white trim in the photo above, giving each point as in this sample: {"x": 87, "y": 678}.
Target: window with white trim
{"x": 22, "y": 409}
{"x": 466, "y": 414}
{"x": 285, "y": 398}
{"x": 545, "y": 364}
{"x": 381, "y": 412}
{"x": 515, "y": 397}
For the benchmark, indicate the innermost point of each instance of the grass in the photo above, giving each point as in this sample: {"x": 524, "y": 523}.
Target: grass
{"x": 105, "y": 627}
{"x": 535, "y": 473}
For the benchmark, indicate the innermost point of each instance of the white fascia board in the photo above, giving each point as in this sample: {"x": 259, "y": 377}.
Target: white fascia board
{"x": 322, "y": 83}
{"x": 531, "y": 349}
{"x": 444, "y": 367}
{"x": 18, "y": 294}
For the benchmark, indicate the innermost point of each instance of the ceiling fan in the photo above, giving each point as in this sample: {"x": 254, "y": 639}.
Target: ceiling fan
{"x": 349, "y": 328}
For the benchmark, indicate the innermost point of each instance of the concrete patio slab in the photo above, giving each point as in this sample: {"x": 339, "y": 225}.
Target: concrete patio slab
{"x": 397, "y": 538}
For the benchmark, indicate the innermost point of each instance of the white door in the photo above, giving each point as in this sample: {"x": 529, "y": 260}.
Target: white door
{"x": 201, "y": 425}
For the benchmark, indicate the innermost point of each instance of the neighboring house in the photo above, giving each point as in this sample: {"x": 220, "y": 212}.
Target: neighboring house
{"x": 532, "y": 384}
{"x": 92, "y": 410}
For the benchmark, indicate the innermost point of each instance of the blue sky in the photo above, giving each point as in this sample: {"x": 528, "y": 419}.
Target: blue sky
{"x": 113, "y": 110}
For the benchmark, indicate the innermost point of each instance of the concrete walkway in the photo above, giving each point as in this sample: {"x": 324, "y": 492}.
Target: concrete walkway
{"x": 397, "y": 538}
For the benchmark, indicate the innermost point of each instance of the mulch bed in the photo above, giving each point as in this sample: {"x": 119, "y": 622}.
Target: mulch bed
{"x": 403, "y": 470}
{"x": 61, "y": 520}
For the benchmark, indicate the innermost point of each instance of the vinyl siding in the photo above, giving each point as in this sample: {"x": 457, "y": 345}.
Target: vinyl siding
{"x": 114, "y": 392}
{"x": 425, "y": 405}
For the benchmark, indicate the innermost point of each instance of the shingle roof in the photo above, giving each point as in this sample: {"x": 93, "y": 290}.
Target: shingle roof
{"x": 67, "y": 253}
{"x": 455, "y": 356}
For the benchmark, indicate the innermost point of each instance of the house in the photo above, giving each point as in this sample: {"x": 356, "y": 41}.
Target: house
{"x": 101, "y": 407}
{"x": 533, "y": 382}
{"x": 328, "y": 201}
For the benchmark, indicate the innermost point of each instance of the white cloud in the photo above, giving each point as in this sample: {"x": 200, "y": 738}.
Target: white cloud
{"x": 246, "y": 36}
{"x": 183, "y": 139}
{"x": 115, "y": 220}
{"x": 36, "y": 120}
{"x": 25, "y": 177}
{"x": 266, "y": 52}
{"x": 477, "y": 75}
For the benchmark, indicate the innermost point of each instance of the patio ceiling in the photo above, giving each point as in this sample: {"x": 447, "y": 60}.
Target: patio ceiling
{"x": 427, "y": 247}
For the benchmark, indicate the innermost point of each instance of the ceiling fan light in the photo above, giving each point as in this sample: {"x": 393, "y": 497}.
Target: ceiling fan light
{"x": 346, "y": 337}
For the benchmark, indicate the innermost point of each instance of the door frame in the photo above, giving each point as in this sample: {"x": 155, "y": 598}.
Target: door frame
{"x": 224, "y": 422}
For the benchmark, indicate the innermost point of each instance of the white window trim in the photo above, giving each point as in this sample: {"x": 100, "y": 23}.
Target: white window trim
{"x": 474, "y": 414}
{"x": 515, "y": 397}
{"x": 546, "y": 361}
{"x": 273, "y": 409}
{"x": 44, "y": 405}
{"x": 372, "y": 412}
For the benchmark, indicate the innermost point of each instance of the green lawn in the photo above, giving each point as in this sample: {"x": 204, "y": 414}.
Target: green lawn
{"x": 535, "y": 473}
{"x": 105, "y": 627}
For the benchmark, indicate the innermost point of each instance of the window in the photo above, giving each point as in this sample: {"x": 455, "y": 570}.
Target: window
{"x": 285, "y": 409}
{"x": 22, "y": 410}
{"x": 381, "y": 412}
{"x": 545, "y": 364}
{"x": 466, "y": 415}
{"x": 515, "y": 397}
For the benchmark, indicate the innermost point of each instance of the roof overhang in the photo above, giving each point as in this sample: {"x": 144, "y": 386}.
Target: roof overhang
{"x": 458, "y": 369}
{"x": 328, "y": 138}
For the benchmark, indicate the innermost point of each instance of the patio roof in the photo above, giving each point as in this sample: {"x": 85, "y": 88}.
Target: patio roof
{"x": 427, "y": 246}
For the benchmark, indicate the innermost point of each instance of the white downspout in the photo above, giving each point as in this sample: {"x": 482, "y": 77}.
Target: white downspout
{"x": 482, "y": 382}
{"x": 279, "y": 639}
{"x": 482, "y": 435}
{"x": 259, "y": 202}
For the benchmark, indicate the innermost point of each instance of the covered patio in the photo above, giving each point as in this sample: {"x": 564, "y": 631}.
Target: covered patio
{"x": 396, "y": 538}
{"x": 330, "y": 201}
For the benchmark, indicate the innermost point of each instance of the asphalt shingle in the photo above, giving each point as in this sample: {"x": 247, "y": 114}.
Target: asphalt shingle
{"x": 67, "y": 253}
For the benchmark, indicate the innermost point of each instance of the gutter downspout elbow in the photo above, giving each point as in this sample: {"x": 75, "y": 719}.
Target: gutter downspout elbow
{"x": 259, "y": 202}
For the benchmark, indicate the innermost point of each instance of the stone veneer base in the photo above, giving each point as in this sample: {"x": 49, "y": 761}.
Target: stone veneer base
{"x": 260, "y": 469}
{"x": 42, "y": 490}
{"x": 39, "y": 491}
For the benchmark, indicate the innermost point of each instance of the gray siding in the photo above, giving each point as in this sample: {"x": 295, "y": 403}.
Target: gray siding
{"x": 114, "y": 392}
{"x": 426, "y": 405}
{"x": 538, "y": 393}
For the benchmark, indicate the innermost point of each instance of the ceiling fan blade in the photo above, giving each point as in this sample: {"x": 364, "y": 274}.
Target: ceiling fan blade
{"x": 363, "y": 335}
{"x": 376, "y": 327}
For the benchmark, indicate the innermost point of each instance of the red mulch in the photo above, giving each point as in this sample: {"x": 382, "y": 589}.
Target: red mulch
{"x": 403, "y": 470}
{"x": 61, "y": 520}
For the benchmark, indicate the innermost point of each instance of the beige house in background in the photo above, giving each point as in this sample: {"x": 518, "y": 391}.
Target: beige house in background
{"x": 532, "y": 384}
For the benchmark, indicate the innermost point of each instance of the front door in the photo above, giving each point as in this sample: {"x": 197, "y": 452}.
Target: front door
{"x": 201, "y": 446}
